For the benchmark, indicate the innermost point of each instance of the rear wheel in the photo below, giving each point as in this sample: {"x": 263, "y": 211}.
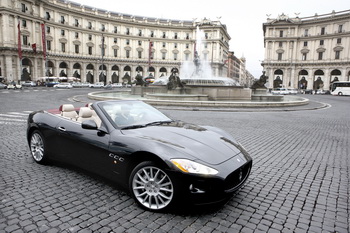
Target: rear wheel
{"x": 37, "y": 147}
{"x": 340, "y": 93}
{"x": 151, "y": 186}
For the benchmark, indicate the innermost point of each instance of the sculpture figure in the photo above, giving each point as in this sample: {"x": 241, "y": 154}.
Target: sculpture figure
{"x": 261, "y": 82}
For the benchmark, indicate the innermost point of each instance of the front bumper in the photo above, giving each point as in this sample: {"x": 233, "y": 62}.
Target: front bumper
{"x": 200, "y": 189}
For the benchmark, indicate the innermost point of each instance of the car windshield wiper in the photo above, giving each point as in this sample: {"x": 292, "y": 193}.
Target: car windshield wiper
{"x": 145, "y": 125}
{"x": 158, "y": 123}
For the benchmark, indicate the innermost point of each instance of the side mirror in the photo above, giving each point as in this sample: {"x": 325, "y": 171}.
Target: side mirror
{"x": 89, "y": 124}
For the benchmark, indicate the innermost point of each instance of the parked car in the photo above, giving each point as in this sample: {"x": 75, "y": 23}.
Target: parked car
{"x": 117, "y": 85}
{"x": 77, "y": 85}
{"x": 97, "y": 85}
{"x": 29, "y": 84}
{"x": 280, "y": 91}
{"x": 51, "y": 84}
{"x": 14, "y": 86}
{"x": 63, "y": 85}
{"x": 3, "y": 86}
{"x": 162, "y": 162}
{"x": 292, "y": 91}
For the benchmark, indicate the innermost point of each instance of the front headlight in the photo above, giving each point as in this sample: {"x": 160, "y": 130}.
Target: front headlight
{"x": 189, "y": 166}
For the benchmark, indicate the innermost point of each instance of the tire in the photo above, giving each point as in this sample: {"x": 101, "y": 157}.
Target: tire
{"x": 340, "y": 93}
{"x": 37, "y": 147}
{"x": 151, "y": 187}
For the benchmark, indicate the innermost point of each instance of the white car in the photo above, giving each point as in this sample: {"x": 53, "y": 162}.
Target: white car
{"x": 29, "y": 84}
{"x": 119, "y": 85}
{"x": 63, "y": 85}
{"x": 280, "y": 91}
{"x": 293, "y": 91}
{"x": 14, "y": 86}
{"x": 97, "y": 85}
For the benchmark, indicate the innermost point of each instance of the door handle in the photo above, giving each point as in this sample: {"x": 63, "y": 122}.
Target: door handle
{"x": 62, "y": 128}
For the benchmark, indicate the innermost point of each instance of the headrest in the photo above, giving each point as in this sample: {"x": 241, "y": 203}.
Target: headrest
{"x": 67, "y": 108}
{"x": 85, "y": 112}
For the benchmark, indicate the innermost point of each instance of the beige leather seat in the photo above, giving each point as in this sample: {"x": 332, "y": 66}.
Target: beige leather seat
{"x": 85, "y": 113}
{"x": 68, "y": 110}
{"x": 94, "y": 114}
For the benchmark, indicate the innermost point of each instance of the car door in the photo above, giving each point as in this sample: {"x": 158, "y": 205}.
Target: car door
{"x": 86, "y": 148}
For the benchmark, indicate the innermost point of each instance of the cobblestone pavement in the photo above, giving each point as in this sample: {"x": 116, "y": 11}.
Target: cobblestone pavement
{"x": 299, "y": 181}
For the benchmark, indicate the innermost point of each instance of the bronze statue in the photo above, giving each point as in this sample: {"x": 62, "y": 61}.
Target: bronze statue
{"x": 261, "y": 82}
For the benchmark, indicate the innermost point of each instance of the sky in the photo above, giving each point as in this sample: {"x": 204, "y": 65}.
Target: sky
{"x": 243, "y": 19}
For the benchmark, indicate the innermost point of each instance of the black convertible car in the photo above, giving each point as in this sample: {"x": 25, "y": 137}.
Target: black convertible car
{"x": 161, "y": 162}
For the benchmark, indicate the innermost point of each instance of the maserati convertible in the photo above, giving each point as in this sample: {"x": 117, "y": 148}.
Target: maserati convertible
{"x": 160, "y": 161}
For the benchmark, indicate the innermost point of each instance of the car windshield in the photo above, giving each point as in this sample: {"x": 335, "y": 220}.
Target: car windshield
{"x": 132, "y": 114}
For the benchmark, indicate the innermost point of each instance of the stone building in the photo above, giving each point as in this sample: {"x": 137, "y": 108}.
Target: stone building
{"x": 64, "y": 39}
{"x": 307, "y": 53}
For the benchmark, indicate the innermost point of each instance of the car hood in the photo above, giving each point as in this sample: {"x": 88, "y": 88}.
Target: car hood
{"x": 198, "y": 142}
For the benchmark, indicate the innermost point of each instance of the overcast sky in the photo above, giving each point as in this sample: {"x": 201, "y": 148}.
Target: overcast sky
{"x": 243, "y": 19}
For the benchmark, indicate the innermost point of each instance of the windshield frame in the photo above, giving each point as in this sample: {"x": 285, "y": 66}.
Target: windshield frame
{"x": 141, "y": 113}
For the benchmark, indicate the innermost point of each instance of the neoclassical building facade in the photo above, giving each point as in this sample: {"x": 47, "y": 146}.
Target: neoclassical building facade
{"x": 307, "y": 53}
{"x": 59, "y": 38}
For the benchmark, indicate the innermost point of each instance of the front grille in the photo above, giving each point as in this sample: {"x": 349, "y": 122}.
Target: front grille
{"x": 237, "y": 178}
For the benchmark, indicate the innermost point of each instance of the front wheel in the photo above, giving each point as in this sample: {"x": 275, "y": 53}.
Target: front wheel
{"x": 37, "y": 147}
{"x": 340, "y": 93}
{"x": 151, "y": 186}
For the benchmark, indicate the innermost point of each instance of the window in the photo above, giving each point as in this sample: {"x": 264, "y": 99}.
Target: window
{"x": 321, "y": 42}
{"x": 63, "y": 32}
{"x": 48, "y": 44}
{"x": 280, "y": 44}
{"x": 163, "y": 55}
{"x": 140, "y": 32}
{"x": 127, "y": 42}
{"x": 187, "y": 36}
{"x": 76, "y": 23}
{"x": 175, "y": 56}
{"x": 164, "y": 45}
{"x": 25, "y": 40}
{"x": 175, "y": 45}
{"x": 206, "y": 35}
{"x": 127, "y": 32}
{"x": 280, "y": 57}
{"x": 89, "y": 50}
{"x": 115, "y": 40}
{"x": 305, "y": 43}
{"x": 340, "y": 28}
{"x": 115, "y": 29}
{"x": 62, "y": 19}
{"x": 24, "y": 23}
{"x": 24, "y": 8}
{"x": 339, "y": 41}
{"x": 48, "y": 29}
{"x": 164, "y": 34}
{"x": 76, "y": 35}
{"x": 187, "y": 56}
{"x": 152, "y": 34}
{"x": 47, "y": 16}
{"x": 89, "y": 25}
{"x": 320, "y": 55}
{"x": 175, "y": 35}
{"x": 139, "y": 43}
{"x": 306, "y": 32}
{"x": 323, "y": 30}
{"x": 187, "y": 46}
{"x": 281, "y": 33}
{"x": 127, "y": 53}
{"x": 90, "y": 37}
{"x": 304, "y": 56}
{"x": 63, "y": 47}
{"x": 103, "y": 28}
{"x": 337, "y": 55}
{"x": 139, "y": 54}
{"x": 115, "y": 52}
{"x": 76, "y": 48}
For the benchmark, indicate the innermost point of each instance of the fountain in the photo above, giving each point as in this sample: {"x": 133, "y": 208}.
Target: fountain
{"x": 196, "y": 86}
{"x": 195, "y": 82}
